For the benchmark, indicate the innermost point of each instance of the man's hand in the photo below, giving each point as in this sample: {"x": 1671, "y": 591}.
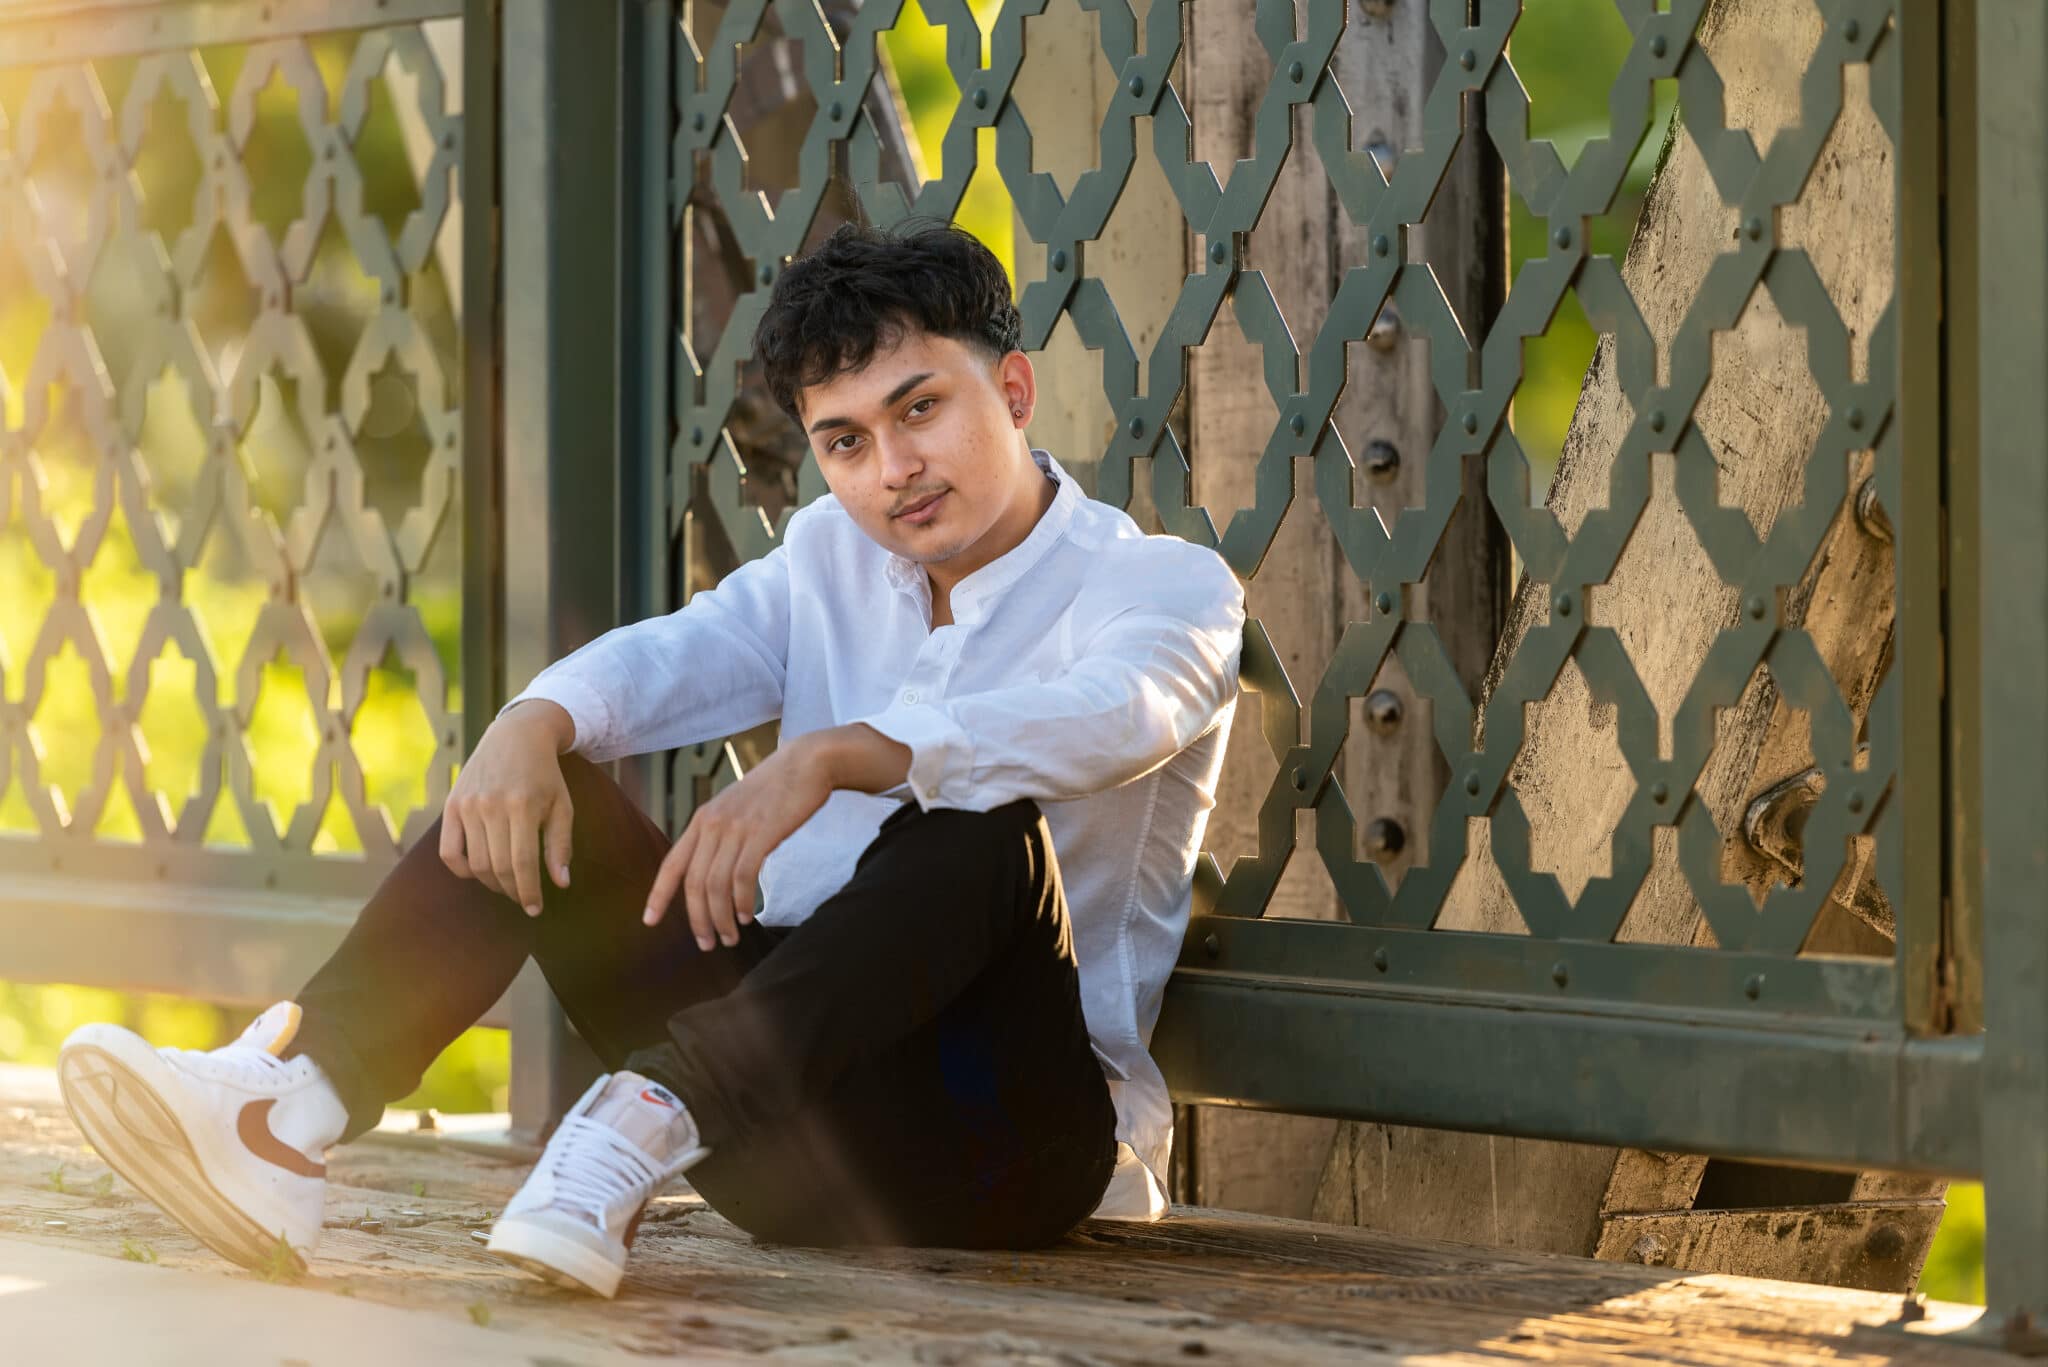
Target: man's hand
{"x": 508, "y": 793}
{"x": 719, "y": 857}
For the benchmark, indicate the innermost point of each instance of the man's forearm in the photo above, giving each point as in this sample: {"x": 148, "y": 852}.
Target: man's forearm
{"x": 858, "y": 757}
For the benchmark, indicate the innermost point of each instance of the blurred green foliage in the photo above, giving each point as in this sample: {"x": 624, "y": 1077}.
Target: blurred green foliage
{"x": 1566, "y": 52}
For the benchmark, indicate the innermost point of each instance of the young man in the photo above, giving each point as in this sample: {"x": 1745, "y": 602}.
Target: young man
{"x": 1003, "y": 713}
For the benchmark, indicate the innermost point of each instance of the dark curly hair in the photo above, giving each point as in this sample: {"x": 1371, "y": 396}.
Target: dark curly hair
{"x": 863, "y": 288}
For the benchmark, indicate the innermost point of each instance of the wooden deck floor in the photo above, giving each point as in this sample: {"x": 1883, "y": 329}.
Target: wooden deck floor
{"x": 1202, "y": 1286}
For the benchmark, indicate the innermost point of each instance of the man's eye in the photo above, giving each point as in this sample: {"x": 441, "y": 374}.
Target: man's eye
{"x": 837, "y": 443}
{"x": 920, "y": 406}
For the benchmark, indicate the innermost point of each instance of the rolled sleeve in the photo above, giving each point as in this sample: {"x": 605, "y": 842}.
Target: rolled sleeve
{"x": 587, "y": 709}
{"x": 941, "y": 753}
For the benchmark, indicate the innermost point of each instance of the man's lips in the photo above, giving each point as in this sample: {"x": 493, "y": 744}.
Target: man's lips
{"x": 922, "y": 504}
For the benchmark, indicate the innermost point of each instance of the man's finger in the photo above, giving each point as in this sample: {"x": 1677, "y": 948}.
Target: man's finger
{"x": 478, "y": 845}
{"x": 666, "y": 878}
{"x": 498, "y": 831}
{"x": 561, "y": 822}
{"x": 693, "y": 898}
{"x": 718, "y": 907}
{"x": 452, "y": 842}
{"x": 525, "y": 841}
{"x": 746, "y": 872}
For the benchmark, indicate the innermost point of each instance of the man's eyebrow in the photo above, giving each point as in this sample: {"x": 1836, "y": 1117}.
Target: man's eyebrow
{"x": 898, "y": 392}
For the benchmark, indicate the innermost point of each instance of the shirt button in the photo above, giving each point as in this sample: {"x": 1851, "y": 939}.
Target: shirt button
{"x": 910, "y": 695}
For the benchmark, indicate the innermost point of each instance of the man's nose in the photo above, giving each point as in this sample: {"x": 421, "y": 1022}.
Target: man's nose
{"x": 900, "y": 461}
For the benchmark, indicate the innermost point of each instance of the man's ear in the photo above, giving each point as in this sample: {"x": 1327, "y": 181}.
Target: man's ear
{"x": 1019, "y": 384}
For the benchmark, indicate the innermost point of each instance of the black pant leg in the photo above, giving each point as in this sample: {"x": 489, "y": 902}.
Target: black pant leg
{"x": 912, "y": 1065}
{"x": 431, "y": 952}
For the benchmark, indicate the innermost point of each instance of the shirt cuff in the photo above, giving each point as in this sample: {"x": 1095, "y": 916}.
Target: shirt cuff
{"x": 584, "y": 704}
{"x": 941, "y": 755}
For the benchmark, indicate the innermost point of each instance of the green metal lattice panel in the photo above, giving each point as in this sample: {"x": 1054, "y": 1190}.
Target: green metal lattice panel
{"x": 1746, "y": 970}
{"x": 230, "y": 471}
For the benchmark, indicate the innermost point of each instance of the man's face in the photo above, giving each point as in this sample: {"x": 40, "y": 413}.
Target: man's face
{"x": 921, "y": 446}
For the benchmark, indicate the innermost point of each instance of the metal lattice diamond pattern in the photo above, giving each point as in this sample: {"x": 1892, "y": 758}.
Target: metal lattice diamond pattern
{"x": 329, "y": 399}
{"x": 1474, "y": 377}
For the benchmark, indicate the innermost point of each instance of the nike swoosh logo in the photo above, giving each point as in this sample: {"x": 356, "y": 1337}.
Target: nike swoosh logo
{"x": 253, "y": 1125}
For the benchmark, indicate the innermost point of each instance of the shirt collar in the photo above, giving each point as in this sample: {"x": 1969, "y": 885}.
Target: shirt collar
{"x": 987, "y": 583}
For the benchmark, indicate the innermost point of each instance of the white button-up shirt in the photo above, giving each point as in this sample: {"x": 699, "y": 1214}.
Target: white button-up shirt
{"x": 1091, "y": 668}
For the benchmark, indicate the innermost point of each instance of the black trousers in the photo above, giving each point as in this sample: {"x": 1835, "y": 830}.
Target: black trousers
{"x": 908, "y": 1066}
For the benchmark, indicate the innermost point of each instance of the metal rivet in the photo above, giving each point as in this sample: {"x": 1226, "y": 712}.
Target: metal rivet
{"x": 1855, "y": 420}
{"x": 1468, "y": 59}
{"x": 1560, "y": 973}
{"x": 697, "y": 121}
{"x": 1472, "y": 784}
{"x": 836, "y": 112}
{"x": 1384, "y": 710}
{"x": 1855, "y": 803}
{"x": 1754, "y": 988}
{"x": 1656, "y": 420}
{"x": 1059, "y": 260}
{"x": 1379, "y": 959}
{"x": 1753, "y": 228}
{"x": 1297, "y": 424}
{"x": 1382, "y": 460}
{"x": 696, "y": 436}
{"x": 1380, "y": 245}
{"x": 1385, "y": 604}
{"x": 767, "y": 274}
{"x": 981, "y": 99}
{"x": 1212, "y": 944}
{"x": 1852, "y": 30}
{"x": 1299, "y": 778}
{"x": 1756, "y": 608}
{"x": 1385, "y": 330}
{"x": 1472, "y": 423}
{"x": 1385, "y": 839}
{"x": 1563, "y": 604}
{"x": 1659, "y": 794}
{"x": 1658, "y": 47}
{"x": 1294, "y": 72}
{"x": 1219, "y": 252}
{"x": 1137, "y": 427}
{"x": 1137, "y": 85}
{"x": 1562, "y": 237}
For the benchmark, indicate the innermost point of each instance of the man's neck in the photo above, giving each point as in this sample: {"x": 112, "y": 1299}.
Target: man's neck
{"x": 942, "y": 590}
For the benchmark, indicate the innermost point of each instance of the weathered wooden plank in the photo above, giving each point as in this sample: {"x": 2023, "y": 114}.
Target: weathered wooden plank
{"x": 1761, "y": 415}
{"x": 1873, "y": 1245}
{"x": 1223, "y": 1287}
{"x": 1305, "y": 592}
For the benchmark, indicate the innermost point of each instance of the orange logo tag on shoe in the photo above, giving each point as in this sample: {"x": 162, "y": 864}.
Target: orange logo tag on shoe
{"x": 660, "y": 1096}
{"x": 253, "y": 1125}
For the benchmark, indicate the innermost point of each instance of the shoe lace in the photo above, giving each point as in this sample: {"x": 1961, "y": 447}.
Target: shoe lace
{"x": 238, "y": 1063}
{"x": 593, "y": 1165}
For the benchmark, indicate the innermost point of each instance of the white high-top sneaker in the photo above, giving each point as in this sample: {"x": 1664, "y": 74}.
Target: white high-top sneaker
{"x": 229, "y": 1142}
{"x": 578, "y": 1212}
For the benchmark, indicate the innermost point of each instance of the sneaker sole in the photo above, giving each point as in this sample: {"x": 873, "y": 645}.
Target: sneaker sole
{"x": 550, "y": 1256}
{"x": 140, "y": 1137}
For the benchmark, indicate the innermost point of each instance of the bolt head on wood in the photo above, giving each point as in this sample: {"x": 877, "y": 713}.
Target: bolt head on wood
{"x": 1384, "y": 710}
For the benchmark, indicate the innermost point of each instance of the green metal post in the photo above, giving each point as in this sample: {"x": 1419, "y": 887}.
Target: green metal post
{"x": 558, "y": 161}
{"x": 2012, "y": 228}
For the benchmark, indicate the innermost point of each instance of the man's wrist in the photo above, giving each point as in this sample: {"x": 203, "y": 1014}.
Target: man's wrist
{"x": 549, "y": 715}
{"x": 858, "y": 757}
